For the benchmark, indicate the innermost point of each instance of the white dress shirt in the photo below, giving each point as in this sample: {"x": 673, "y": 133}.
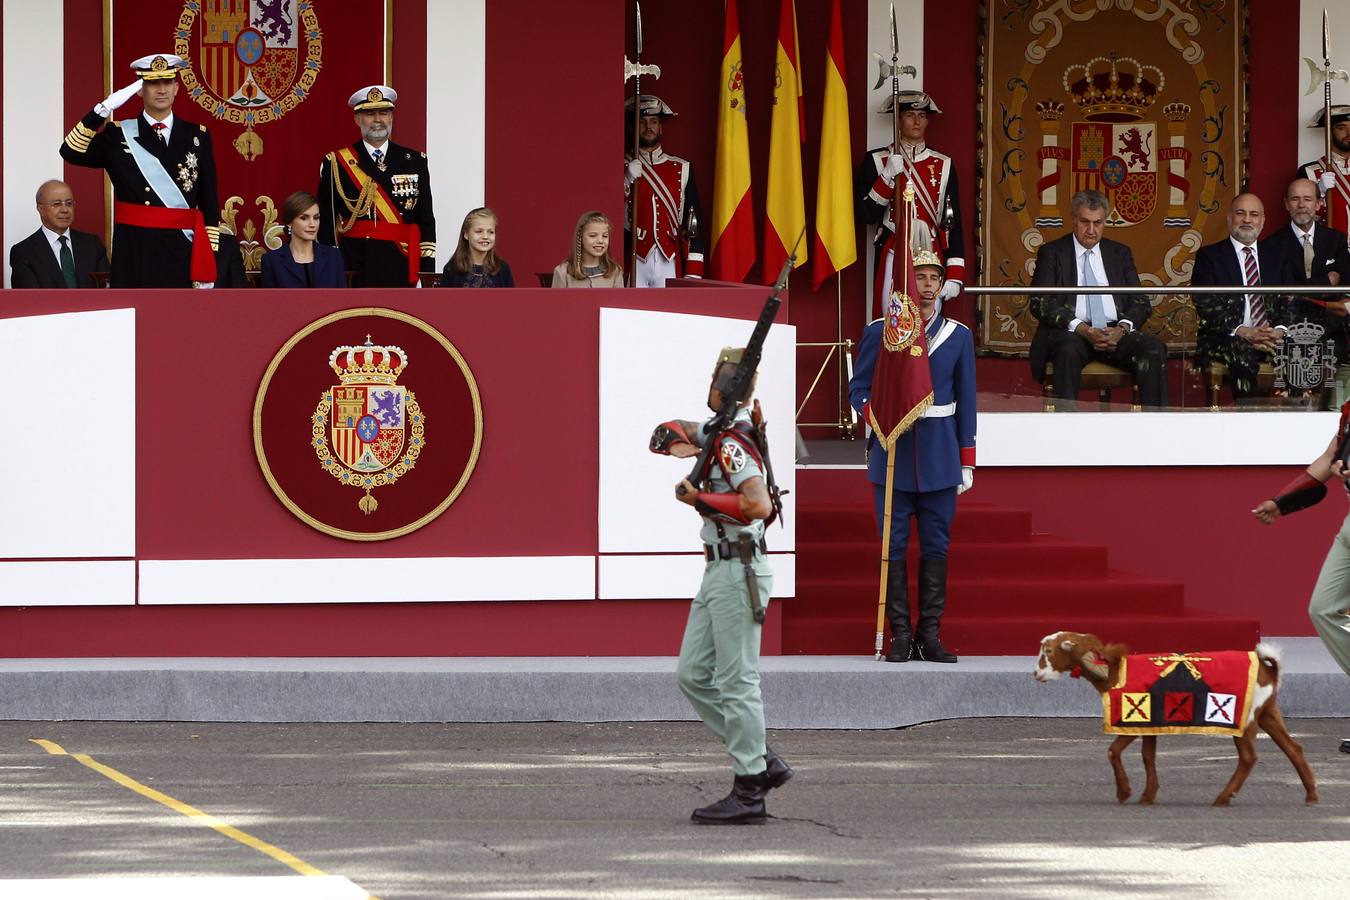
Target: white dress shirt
{"x": 1240, "y": 249}
{"x": 53, "y": 240}
{"x": 149, "y": 125}
{"x": 371, "y": 148}
{"x": 1080, "y": 310}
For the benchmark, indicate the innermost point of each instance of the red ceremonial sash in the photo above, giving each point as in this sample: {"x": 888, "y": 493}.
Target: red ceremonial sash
{"x": 390, "y": 225}
{"x": 203, "y": 265}
{"x": 402, "y": 234}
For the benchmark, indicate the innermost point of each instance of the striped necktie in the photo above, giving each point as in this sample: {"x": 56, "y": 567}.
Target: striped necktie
{"x": 1252, "y": 277}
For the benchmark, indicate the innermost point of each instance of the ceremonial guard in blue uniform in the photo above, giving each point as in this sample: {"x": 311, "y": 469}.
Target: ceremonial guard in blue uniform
{"x": 719, "y": 657}
{"x": 935, "y": 461}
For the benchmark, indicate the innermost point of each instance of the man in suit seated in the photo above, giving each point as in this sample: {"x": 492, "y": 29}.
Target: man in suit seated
{"x": 1241, "y": 331}
{"x": 1077, "y": 329}
{"x": 56, "y": 255}
{"x": 1307, "y": 252}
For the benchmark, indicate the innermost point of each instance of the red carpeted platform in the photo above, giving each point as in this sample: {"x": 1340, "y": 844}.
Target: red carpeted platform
{"x": 1008, "y": 586}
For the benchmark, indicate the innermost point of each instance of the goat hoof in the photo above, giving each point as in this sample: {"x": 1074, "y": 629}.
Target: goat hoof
{"x": 1311, "y": 801}
{"x": 1122, "y": 796}
{"x": 1145, "y": 801}
{"x": 1222, "y": 801}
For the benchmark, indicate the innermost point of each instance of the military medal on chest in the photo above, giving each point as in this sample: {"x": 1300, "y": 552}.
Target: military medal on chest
{"x": 188, "y": 173}
{"x": 369, "y": 430}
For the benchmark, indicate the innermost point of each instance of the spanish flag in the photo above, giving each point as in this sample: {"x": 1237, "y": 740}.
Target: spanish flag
{"x": 785, "y": 203}
{"x": 733, "y": 227}
{"x": 836, "y": 241}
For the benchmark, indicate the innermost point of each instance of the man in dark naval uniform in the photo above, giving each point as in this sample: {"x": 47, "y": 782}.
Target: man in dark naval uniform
{"x": 167, "y": 211}
{"x": 375, "y": 199}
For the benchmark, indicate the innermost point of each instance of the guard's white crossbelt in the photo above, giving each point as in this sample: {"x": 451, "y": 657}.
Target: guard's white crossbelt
{"x": 940, "y": 412}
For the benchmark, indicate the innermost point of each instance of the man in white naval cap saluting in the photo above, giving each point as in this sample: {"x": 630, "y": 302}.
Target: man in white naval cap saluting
{"x": 166, "y": 209}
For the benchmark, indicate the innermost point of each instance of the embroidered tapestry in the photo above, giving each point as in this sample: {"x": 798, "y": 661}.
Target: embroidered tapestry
{"x": 1143, "y": 100}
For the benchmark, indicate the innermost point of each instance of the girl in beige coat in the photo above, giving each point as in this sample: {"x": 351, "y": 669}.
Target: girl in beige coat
{"x": 590, "y": 264}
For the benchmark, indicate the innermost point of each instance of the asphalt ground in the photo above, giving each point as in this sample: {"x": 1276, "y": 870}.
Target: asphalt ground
{"x": 966, "y": 808}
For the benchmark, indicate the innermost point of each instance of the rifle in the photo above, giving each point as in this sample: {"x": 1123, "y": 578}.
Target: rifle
{"x": 744, "y": 377}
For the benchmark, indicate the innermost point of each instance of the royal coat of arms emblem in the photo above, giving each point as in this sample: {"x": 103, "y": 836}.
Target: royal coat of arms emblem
{"x": 249, "y": 61}
{"x": 369, "y": 430}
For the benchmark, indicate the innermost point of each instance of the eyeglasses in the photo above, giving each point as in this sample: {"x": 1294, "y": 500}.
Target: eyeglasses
{"x": 57, "y": 204}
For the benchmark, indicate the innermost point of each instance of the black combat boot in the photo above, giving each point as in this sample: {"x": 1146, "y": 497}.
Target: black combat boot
{"x": 743, "y": 806}
{"x": 932, "y": 600}
{"x": 776, "y": 769}
{"x": 897, "y": 612}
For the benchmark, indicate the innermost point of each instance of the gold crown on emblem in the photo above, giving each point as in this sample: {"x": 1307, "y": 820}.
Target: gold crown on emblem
{"x": 1105, "y": 93}
{"x": 159, "y": 64}
{"x": 374, "y": 95}
{"x": 1177, "y": 111}
{"x": 368, "y": 363}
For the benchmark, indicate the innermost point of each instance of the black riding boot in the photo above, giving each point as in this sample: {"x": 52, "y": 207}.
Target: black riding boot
{"x": 776, "y": 769}
{"x": 743, "y": 806}
{"x": 932, "y": 600}
{"x": 897, "y": 612}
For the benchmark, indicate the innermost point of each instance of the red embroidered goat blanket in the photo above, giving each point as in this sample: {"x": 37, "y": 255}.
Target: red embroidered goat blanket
{"x": 1181, "y": 693}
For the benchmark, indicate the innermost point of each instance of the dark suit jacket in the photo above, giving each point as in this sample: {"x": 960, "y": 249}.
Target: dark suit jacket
{"x": 33, "y": 264}
{"x": 1329, "y": 255}
{"x": 1217, "y": 265}
{"x": 1056, "y": 266}
{"x": 279, "y": 268}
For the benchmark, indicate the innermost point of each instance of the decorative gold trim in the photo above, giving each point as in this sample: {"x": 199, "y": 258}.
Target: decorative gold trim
{"x": 262, "y": 394}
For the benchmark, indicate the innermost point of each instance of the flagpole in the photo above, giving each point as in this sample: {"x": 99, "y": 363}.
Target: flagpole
{"x": 839, "y": 340}
{"x": 885, "y": 547}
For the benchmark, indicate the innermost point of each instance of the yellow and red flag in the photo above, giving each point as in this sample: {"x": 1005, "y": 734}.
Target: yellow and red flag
{"x": 732, "y": 248}
{"x": 902, "y": 383}
{"x": 785, "y": 200}
{"x": 836, "y": 241}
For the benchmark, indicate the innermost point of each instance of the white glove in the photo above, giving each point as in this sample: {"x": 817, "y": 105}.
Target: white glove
{"x": 203, "y": 285}
{"x": 893, "y": 166}
{"x": 116, "y": 99}
{"x": 967, "y": 480}
{"x": 633, "y": 172}
{"x": 950, "y": 290}
{"x": 1326, "y": 181}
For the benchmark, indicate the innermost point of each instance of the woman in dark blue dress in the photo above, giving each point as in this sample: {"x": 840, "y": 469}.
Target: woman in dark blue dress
{"x": 302, "y": 262}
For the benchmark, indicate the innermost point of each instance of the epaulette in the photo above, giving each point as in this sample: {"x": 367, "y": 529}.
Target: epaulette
{"x": 202, "y": 127}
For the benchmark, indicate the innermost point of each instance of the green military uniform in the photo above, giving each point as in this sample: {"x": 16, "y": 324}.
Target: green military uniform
{"x": 719, "y": 657}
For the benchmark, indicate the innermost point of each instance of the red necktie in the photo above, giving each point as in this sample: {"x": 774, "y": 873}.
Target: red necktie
{"x": 1253, "y": 277}
{"x": 159, "y": 132}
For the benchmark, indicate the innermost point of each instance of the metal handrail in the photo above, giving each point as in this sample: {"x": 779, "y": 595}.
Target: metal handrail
{"x": 1022, "y": 290}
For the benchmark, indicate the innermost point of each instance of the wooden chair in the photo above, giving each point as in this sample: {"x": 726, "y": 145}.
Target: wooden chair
{"x": 1265, "y": 380}
{"x": 1097, "y": 376}
{"x": 100, "y": 278}
{"x": 428, "y": 279}
{"x": 545, "y": 279}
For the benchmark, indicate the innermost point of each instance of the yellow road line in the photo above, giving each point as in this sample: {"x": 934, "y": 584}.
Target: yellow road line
{"x": 196, "y": 815}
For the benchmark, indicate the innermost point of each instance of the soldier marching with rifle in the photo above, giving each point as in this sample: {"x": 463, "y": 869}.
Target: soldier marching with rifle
{"x": 732, "y": 488}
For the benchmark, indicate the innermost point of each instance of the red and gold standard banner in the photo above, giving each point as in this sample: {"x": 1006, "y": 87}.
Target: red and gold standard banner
{"x": 367, "y": 424}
